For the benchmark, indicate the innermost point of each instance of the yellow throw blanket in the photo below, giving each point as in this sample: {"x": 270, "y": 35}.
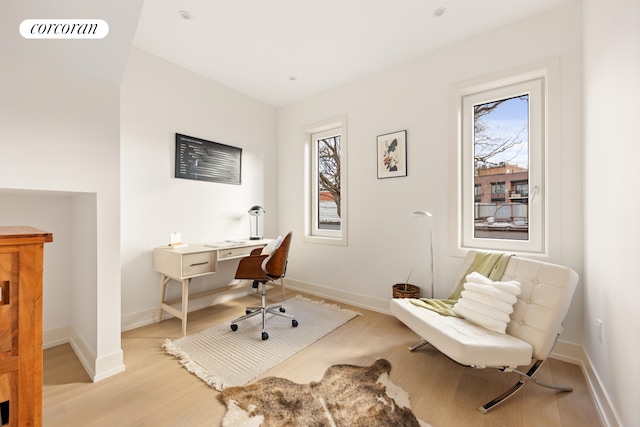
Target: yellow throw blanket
{"x": 489, "y": 264}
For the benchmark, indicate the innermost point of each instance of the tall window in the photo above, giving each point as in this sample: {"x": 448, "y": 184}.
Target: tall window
{"x": 326, "y": 187}
{"x": 503, "y": 130}
{"x": 326, "y": 146}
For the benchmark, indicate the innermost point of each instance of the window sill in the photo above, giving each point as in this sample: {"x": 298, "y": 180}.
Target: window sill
{"x": 336, "y": 241}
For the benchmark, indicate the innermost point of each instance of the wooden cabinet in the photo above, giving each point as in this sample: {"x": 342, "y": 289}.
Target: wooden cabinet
{"x": 21, "y": 260}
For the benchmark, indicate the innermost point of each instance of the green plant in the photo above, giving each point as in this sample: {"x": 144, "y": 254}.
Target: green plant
{"x": 406, "y": 282}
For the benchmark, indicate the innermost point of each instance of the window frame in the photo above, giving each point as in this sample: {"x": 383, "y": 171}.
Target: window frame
{"x": 312, "y": 233}
{"x": 502, "y": 85}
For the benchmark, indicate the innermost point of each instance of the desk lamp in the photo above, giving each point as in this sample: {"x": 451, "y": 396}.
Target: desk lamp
{"x": 420, "y": 215}
{"x": 256, "y": 212}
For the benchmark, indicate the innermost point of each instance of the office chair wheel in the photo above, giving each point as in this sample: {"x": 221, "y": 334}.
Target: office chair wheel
{"x": 282, "y": 310}
{"x": 294, "y": 323}
{"x": 265, "y": 336}
{"x": 234, "y": 328}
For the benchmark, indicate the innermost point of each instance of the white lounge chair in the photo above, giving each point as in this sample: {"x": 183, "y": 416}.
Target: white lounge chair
{"x": 536, "y": 323}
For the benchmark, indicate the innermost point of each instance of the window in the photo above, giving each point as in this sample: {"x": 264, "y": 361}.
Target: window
{"x": 497, "y": 188}
{"x": 326, "y": 178}
{"x": 325, "y": 200}
{"x": 503, "y": 127}
{"x": 521, "y": 189}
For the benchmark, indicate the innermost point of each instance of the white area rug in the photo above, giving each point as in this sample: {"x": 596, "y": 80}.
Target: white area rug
{"x": 223, "y": 358}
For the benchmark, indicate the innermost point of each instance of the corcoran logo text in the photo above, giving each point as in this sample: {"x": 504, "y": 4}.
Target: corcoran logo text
{"x": 64, "y": 29}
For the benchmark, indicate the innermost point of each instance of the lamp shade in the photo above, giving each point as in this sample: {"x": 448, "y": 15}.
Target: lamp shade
{"x": 256, "y": 211}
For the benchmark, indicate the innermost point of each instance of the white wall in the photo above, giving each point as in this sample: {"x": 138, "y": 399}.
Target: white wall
{"x": 611, "y": 88}
{"x": 385, "y": 243}
{"x": 25, "y": 208}
{"x": 59, "y": 134}
{"x": 158, "y": 100}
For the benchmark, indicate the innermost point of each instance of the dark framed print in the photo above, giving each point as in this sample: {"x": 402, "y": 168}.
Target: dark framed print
{"x": 204, "y": 160}
{"x": 392, "y": 154}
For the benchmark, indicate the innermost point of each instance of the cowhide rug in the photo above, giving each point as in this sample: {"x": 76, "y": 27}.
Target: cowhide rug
{"x": 347, "y": 395}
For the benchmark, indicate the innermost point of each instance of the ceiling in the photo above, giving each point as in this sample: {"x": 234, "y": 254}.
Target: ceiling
{"x": 282, "y": 51}
{"x": 101, "y": 60}
{"x": 277, "y": 51}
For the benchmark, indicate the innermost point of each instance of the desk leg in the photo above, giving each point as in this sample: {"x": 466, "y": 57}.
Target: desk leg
{"x": 163, "y": 286}
{"x": 180, "y": 314}
{"x": 185, "y": 303}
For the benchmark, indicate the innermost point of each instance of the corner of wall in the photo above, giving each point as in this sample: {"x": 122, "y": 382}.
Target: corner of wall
{"x": 574, "y": 353}
{"x": 97, "y": 368}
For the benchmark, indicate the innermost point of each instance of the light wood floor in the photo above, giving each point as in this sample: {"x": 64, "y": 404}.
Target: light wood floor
{"x": 156, "y": 391}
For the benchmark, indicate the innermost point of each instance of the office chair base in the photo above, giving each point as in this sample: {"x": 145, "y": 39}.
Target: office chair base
{"x": 263, "y": 310}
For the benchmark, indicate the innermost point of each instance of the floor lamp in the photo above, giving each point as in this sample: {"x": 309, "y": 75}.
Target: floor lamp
{"x": 420, "y": 215}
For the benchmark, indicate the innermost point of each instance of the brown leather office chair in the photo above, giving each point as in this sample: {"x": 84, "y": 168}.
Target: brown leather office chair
{"x": 263, "y": 269}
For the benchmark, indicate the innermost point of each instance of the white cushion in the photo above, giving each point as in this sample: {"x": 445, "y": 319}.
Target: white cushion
{"x": 272, "y": 246}
{"x": 487, "y": 303}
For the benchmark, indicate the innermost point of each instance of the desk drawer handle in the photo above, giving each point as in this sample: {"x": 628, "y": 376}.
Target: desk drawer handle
{"x": 199, "y": 263}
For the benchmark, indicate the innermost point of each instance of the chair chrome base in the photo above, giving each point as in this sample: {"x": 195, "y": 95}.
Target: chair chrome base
{"x": 263, "y": 310}
{"x": 525, "y": 377}
{"x": 417, "y": 346}
{"x": 529, "y": 376}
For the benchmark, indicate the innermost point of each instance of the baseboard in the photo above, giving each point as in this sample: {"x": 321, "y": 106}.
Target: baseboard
{"x": 106, "y": 366}
{"x": 574, "y": 353}
{"x": 147, "y": 317}
{"x": 568, "y": 352}
{"x": 379, "y": 305}
{"x": 98, "y": 368}
{"x": 83, "y": 352}
{"x": 67, "y": 334}
{"x": 603, "y": 404}
{"x": 56, "y": 336}
{"x": 109, "y": 365}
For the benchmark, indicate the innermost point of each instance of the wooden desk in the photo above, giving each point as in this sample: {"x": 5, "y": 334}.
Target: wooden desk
{"x": 184, "y": 263}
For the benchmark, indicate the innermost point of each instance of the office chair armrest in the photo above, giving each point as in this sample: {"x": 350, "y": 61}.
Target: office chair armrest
{"x": 256, "y": 251}
{"x": 250, "y": 267}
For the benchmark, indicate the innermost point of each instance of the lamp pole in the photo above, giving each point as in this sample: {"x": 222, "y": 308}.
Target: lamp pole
{"x": 420, "y": 215}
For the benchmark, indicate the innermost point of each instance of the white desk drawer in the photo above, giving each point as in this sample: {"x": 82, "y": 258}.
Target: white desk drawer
{"x": 198, "y": 263}
{"x": 228, "y": 253}
{"x": 197, "y": 259}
